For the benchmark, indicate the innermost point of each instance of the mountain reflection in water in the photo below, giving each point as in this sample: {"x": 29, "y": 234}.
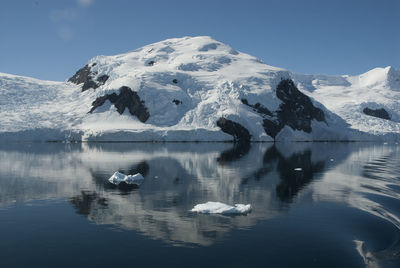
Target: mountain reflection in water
{"x": 274, "y": 179}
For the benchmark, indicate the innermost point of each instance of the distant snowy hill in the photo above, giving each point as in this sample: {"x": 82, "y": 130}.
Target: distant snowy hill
{"x": 199, "y": 89}
{"x": 360, "y": 100}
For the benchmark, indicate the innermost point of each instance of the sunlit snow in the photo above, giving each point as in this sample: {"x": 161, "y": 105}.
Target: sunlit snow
{"x": 190, "y": 83}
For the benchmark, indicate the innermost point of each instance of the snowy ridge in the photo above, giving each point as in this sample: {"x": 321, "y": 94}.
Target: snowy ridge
{"x": 186, "y": 85}
{"x": 347, "y": 96}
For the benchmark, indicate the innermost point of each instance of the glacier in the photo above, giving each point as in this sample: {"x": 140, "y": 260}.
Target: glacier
{"x": 199, "y": 89}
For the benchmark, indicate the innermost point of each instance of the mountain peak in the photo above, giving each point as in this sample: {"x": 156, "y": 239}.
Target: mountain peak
{"x": 385, "y": 77}
{"x": 200, "y": 57}
{"x": 198, "y": 89}
{"x": 187, "y": 45}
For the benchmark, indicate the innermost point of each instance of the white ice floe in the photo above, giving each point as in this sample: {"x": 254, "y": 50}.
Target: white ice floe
{"x": 118, "y": 177}
{"x": 298, "y": 169}
{"x": 221, "y": 208}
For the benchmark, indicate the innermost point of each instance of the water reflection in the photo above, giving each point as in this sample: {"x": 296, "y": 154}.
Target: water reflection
{"x": 178, "y": 176}
{"x": 83, "y": 203}
{"x": 235, "y": 153}
{"x": 368, "y": 181}
{"x": 295, "y": 171}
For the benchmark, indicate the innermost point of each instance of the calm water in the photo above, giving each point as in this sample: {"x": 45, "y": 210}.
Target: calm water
{"x": 341, "y": 210}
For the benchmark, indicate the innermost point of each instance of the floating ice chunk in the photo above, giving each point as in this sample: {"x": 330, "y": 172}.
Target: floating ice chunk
{"x": 118, "y": 177}
{"x": 221, "y": 208}
{"x": 298, "y": 169}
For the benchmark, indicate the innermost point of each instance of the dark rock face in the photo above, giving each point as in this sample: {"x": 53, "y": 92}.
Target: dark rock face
{"x": 272, "y": 128}
{"x": 380, "y": 113}
{"x": 126, "y": 99}
{"x": 102, "y": 79}
{"x": 239, "y": 133}
{"x": 258, "y": 107}
{"x": 177, "y": 102}
{"x": 81, "y": 76}
{"x": 86, "y": 76}
{"x": 295, "y": 111}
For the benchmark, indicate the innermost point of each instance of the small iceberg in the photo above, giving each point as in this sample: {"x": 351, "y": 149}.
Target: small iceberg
{"x": 298, "y": 169}
{"x": 221, "y": 208}
{"x": 118, "y": 177}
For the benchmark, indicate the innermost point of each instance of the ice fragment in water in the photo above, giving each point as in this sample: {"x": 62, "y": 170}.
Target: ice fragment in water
{"x": 118, "y": 177}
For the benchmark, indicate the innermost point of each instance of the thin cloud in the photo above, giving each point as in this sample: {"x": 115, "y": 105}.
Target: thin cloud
{"x": 63, "y": 15}
{"x": 85, "y": 3}
{"x": 65, "y": 18}
{"x": 65, "y": 33}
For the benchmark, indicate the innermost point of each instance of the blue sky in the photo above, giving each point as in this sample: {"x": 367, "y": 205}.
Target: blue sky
{"x": 50, "y": 39}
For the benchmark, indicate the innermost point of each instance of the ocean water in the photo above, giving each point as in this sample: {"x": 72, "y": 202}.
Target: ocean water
{"x": 314, "y": 205}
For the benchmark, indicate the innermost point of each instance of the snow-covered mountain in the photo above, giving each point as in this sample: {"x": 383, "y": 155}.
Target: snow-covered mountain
{"x": 199, "y": 89}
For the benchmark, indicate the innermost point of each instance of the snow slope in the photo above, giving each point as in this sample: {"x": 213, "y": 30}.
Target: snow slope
{"x": 347, "y": 96}
{"x": 37, "y": 110}
{"x": 188, "y": 84}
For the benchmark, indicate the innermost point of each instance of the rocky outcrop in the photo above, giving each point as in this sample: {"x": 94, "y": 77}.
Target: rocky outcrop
{"x": 295, "y": 111}
{"x": 102, "y": 79}
{"x": 258, "y": 107}
{"x": 177, "y": 102}
{"x": 125, "y": 99}
{"x": 272, "y": 127}
{"x": 86, "y": 76}
{"x": 380, "y": 113}
{"x": 239, "y": 133}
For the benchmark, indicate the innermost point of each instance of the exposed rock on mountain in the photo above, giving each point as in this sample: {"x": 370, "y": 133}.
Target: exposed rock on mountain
{"x": 295, "y": 111}
{"x": 177, "y": 102}
{"x": 86, "y": 76}
{"x": 380, "y": 113}
{"x": 258, "y": 107}
{"x": 239, "y": 133}
{"x": 126, "y": 99}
